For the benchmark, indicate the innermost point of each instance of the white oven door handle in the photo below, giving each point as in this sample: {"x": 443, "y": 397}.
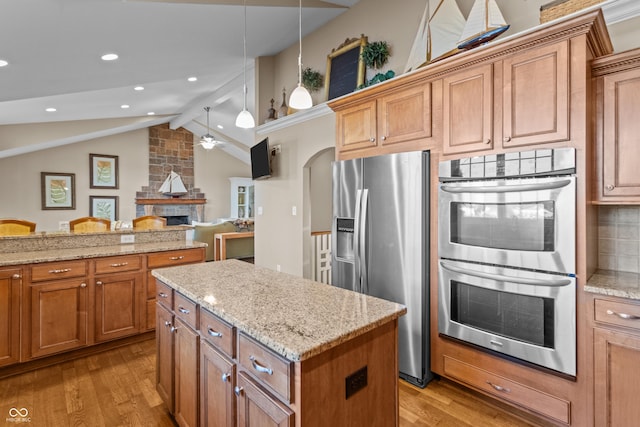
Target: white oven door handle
{"x": 506, "y": 188}
{"x": 503, "y": 278}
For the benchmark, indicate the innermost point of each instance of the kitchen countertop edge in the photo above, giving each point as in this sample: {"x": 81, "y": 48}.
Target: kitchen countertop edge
{"x": 614, "y": 283}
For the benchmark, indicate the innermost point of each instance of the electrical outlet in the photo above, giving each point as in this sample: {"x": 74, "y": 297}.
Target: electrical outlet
{"x": 128, "y": 238}
{"x": 259, "y": 210}
{"x": 294, "y": 211}
{"x": 277, "y": 267}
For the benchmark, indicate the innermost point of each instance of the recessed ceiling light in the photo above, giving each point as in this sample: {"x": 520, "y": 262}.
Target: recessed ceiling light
{"x": 138, "y": 88}
{"x": 50, "y": 110}
{"x": 3, "y": 63}
{"x": 220, "y": 127}
{"x": 192, "y": 79}
{"x": 151, "y": 113}
{"x": 109, "y": 57}
{"x": 124, "y": 106}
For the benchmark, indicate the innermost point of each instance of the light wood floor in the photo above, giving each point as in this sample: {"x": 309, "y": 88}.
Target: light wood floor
{"x": 117, "y": 388}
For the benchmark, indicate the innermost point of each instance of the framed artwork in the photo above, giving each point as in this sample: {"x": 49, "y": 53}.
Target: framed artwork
{"x": 345, "y": 68}
{"x": 103, "y": 171}
{"x": 104, "y": 207}
{"x": 58, "y": 190}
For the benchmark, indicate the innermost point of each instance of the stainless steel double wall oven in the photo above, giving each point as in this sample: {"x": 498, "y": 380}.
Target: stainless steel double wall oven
{"x": 506, "y": 242}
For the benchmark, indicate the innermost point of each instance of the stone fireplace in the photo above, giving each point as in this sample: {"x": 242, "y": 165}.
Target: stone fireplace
{"x": 170, "y": 150}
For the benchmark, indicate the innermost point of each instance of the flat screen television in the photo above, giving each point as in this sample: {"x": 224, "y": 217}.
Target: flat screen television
{"x": 261, "y": 160}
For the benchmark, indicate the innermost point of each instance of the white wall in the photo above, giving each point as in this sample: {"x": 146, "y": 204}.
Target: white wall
{"x": 20, "y": 193}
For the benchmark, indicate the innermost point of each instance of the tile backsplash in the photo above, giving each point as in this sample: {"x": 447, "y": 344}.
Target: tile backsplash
{"x": 619, "y": 238}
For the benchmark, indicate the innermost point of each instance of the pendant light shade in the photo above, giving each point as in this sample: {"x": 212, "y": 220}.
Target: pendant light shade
{"x": 208, "y": 141}
{"x": 300, "y": 97}
{"x": 245, "y": 119}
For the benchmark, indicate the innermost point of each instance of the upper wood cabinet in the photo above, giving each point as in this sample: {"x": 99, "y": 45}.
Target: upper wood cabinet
{"x": 518, "y": 101}
{"x": 382, "y": 123}
{"x": 618, "y": 127}
{"x": 10, "y": 283}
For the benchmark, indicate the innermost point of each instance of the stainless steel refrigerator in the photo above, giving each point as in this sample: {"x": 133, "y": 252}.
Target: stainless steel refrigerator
{"x": 380, "y": 241}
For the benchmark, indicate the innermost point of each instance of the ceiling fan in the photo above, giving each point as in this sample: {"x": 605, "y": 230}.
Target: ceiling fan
{"x": 208, "y": 141}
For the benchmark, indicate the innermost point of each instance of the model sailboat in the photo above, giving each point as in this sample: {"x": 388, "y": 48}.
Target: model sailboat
{"x": 485, "y": 22}
{"x": 173, "y": 186}
{"x": 438, "y": 33}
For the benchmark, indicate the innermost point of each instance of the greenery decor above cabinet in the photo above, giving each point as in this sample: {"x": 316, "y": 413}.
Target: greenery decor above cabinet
{"x": 618, "y": 109}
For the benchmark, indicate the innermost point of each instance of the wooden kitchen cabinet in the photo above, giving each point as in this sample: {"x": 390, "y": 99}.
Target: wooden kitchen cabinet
{"x": 10, "y": 291}
{"x": 186, "y": 371}
{"x": 618, "y": 109}
{"x": 217, "y": 383}
{"x": 616, "y": 356}
{"x": 383, "y": 123}
{"x": 256, "y": 408}
{"x": 164, "y": 354}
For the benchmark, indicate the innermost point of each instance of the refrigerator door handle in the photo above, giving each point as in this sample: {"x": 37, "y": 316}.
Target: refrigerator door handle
{"x": 356, "y": 243}
{"x": 364, "y": 279}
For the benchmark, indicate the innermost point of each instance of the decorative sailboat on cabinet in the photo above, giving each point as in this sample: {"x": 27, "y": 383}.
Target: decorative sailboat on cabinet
{"x": 438, "y": 34}
{"x": 485, "y": 22}
{"x": 173, "y": 186}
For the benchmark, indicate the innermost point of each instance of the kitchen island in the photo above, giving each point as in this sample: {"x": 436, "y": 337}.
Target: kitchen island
{"x": 236, "y": 341}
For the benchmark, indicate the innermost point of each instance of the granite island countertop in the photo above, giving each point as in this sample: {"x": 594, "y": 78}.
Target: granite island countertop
{"x": 295, "y": 317}
{"x": 614, "y": 283}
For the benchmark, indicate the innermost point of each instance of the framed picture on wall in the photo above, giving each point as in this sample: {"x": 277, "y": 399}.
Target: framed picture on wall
{"x": 104, "y": 207}
{"x": 58, "y": 190}
{"x": 103, "y": 171}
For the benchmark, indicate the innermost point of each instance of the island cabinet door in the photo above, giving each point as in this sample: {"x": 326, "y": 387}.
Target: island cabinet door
{"x": 164, "y": 354}
{"x": 186, "y": 373}
{"x": 118, "y": 305}
{"x": 217, "y": 381}
{"x": 10, "y": 282}
{"x": 58, "y": 316}
{"x": 257, "y": 408}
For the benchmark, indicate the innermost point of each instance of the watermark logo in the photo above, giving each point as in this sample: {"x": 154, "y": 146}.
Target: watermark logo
{"x": 18, "y": 415}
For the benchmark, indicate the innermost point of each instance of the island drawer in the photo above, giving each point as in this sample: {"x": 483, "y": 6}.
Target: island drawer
{"x": 271, "y": 369}
{"x": 58, "y": 270}
{"x": 169, "y": 258}
{"x": 118, "y": 263}
{"x": 185, "y": 309}
{"x": 617, "y": 313}
{"x": 164, "y": 295}
{"x": 503, "y": 388}
{"x": 218, "y": 332}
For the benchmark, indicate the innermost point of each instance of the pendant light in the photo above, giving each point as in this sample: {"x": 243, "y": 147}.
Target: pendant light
{"x": 300, "y": 98}
{"x": 245, "y": 119}
{"x": 208, "y": 141}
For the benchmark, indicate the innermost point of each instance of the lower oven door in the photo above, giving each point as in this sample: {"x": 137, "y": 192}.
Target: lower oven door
{"x": 524, "y": 314}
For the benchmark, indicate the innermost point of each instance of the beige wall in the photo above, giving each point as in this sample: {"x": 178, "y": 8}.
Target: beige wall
{"x": 320, "y": 177}
{"x": 20, "y": 175}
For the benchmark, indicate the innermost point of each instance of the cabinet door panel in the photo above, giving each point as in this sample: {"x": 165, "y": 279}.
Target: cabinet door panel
{"x": 58, "y": 316}
{"x": 256, "y": 408}
{"x": 217, "y": 380}
{"x": 186, "y": 356}
{"x": 356, "y": 127}
{"x": 405, "y": 115}
{"x": 617, "y": 379}
{"x": 536, "y": 96}
{"x": 468, "y": 110}
{"x": 10, "y": 282}
{"x": 118, "y": 305}
{"x": 164, "y": 355}
{"x": 621, "y": 129}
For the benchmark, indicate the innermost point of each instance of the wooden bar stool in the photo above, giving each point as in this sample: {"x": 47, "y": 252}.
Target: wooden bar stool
{"x": 89, "y": 224}
{"x": 16, "y": 227}
{"x": 149, "y": 222}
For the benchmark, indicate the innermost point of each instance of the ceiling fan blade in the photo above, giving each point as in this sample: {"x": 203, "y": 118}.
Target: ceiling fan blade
{"x": 267, "y": 3}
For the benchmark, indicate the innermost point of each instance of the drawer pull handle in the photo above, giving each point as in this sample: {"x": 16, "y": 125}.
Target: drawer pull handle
{"x": 183, "y": 310}
{"x": 214, "y": 333}
{"x": 238, "y": 390}
{"x": 499, "y": 387}
{"x": 226, "y": 377}
{"x": 258, "y": 367}
{"x": 59, "y": 271}
{"x": 176, "y": 258}
{"x": 162, "y": 295}
{"x": 121, "y": 264}
{"x": 16, "y": 276}
{"x": 623, "y": 315}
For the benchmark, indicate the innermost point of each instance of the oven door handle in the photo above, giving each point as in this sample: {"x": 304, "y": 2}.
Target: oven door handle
{"x": 503, "y": 278}
{"x": 506, "y": 188}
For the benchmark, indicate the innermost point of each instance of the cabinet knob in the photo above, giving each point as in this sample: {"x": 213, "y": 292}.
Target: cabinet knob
{"x": 167, "y": 323}
{"x": 83, "y": 285}
{"x": 16, "y": 276}
{"x": 384, "y": 138}
{"x": 507, "y": 138}
{"x": 238, "y": 390}
{"x": 226, "y": 377}
{"x": 372, "y": 139}
{"x": 99, "y": 283}
{"x": 488, "y": 141}
{"x": 609, "y": 187}
{"x": 174, "y": 329}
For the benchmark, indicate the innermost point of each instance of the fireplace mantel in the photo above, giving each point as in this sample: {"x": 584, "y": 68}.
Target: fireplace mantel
{"x": 176, "y": 201}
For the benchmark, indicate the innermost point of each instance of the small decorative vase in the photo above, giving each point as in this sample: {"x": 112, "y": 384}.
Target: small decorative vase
{"x": 284, "y": 110}
{"x": 272, "y": 113}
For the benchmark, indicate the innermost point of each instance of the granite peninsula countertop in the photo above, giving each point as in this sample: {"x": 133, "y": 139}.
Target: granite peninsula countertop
{"x": 295, "y": 317}
{"x": 615, "y": 283}
{"x": 65, "y": 254}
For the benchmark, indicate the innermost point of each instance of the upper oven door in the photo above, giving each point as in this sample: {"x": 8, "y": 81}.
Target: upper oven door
{"x": 528, "y": 222}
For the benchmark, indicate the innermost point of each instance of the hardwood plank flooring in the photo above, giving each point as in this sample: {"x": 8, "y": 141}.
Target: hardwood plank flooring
{"x": 117, "y": 388}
